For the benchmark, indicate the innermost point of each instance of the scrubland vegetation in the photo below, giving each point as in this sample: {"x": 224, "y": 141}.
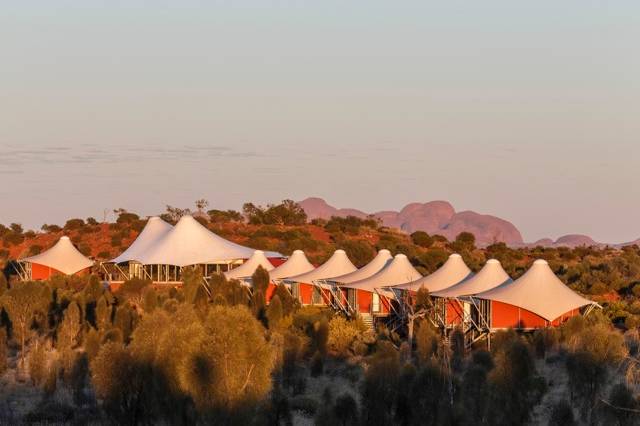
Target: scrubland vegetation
{"x": 72, "y": 351}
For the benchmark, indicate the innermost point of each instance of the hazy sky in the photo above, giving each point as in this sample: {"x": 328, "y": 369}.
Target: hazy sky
{"x": 526, "y": 110}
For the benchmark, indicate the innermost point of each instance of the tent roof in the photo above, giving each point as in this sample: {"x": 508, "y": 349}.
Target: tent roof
{"x": 490, "y": 276}
{"x": 155, "y": 229}
{"x": 538, "y": 291}
{"x": 398, "y": 271}
{"x": 338, "y": 264}
{"x": 249, "y": 267}
{"x": 452, "y": 272}
{"x": 63, "y": 256}
{"x": 297, "y": 264}
{"x": 190, "y": 243}
{"x": 382, "y": 259}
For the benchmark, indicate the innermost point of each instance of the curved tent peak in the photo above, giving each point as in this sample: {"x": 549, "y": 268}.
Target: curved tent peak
{"x": 539, "y": 291}
{"x": 296, "y": 264}
{"x": 63, "y": 257}
{"x": 338, "y": 264}
{"x": 152, "y": 232}
{"x": 190, "y": 243}
{"x": 248, "y": 268}
{"x": 490, "y": 276}
{"x": 452, "y": 272}
{"x": 398, "y": 271}
{"x": 381, "y": 260}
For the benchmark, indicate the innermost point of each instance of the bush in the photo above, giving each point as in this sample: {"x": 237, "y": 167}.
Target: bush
{"x": 317, "y": 364}
{"x": 73, "y": 224}
{"x": 274, "y": 312}
{"x": 422, "y": 239}
{"x": 4, "y": 351}
{"x": 561, "y": 414}
{"x": 359, "y": 251}
{"x": 38, "y": 363}
{"x": 427, "y": 342}
{"x": 342, "y": 334}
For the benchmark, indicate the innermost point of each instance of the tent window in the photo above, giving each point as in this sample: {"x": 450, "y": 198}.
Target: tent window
{"x": 295, "y": 290}
{"x": 317, "y": 296}
{"x": 375, "y": 303}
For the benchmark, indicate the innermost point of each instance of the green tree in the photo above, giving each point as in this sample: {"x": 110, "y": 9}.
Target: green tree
{"x": 69, "y": 330}
{"x": 260, "y": 282}
{"x": 422, "y": 239}
{"x": 38, "y": 363}
{"x": 192, "y": 282}
{"x": 380, "y": 387}
{"x": 231, "y": 367}
{"x": 561, "y": 414}
{"x": 274, "y": 312}
{"x": 22, "y": 302}
{"x": 4, "y": 351}
{"x": 359, "y": 251}
{"x": 119, "y": 383}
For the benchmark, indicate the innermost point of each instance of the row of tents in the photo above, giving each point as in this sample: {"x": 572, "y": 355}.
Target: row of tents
{"x": 386, "y": 286}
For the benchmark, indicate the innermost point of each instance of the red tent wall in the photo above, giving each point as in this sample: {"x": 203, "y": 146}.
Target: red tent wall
{"x": 504, "y": 315}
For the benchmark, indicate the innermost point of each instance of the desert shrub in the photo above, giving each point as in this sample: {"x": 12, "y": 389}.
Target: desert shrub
{"x": 622, "y": 408}
{"x": 103, "y": 315}
{"x": 134, "y": 287}
{"x": 23, "y": 302}
{"x": 118, "y": 383}
{"x": 359, "y": 251}
{"x": 50, "y": 411}
{"x": 515, "y": 385}
{"x": 427, "y": 342}
{"x": 274, "y": 312}
{"x": 38, "y": 363}
{"x": 51, "y": 228}
{"x": 544, "y": 340}
{"x": 432, "y": 259}
{"x": 230, "y": 333}
{"x": 222, "y": 216}
{"x": 432, "y": 390}
{"x": 124, "y": 321}
{"x": 112, "y": 335}
{"x": 289, "y": 304}
{"x": 260, "y": 282}
{"x": 4, "y": 351}
{"x": 345, "y": 410}
{"x": 285, "y": 213}
{"x": 349, "y": 225}
{"x": 317, "y": 364}
{"x": 342, "y": 334}
{"x": 73, "y": 224}
{"x": 69, "y": 329}
{"x": 91, "y": 343}
{"x": 422, "y": 239}
{"x": 380, "y": 386}
{"x": 561, "y": 414}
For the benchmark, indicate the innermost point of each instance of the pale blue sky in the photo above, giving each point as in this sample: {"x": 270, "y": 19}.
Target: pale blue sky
{"x": 526, "y": 110}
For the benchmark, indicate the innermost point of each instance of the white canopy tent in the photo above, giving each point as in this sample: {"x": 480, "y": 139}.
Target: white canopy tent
{"x": 538, "y": 291}
{"x": 337, "y": 265}
{"x": 63, "y": 257}
{"x": 247, "y": 269}
{"x": 490, "y": 276}
{"x": 297, "y": 264}
{"x": 380, "y": 261}
{"x": 398, "y": 271}
{"x": 190, "y": 243}
{"x": 153, "y": 231}
{"x": 452, "y": 272}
